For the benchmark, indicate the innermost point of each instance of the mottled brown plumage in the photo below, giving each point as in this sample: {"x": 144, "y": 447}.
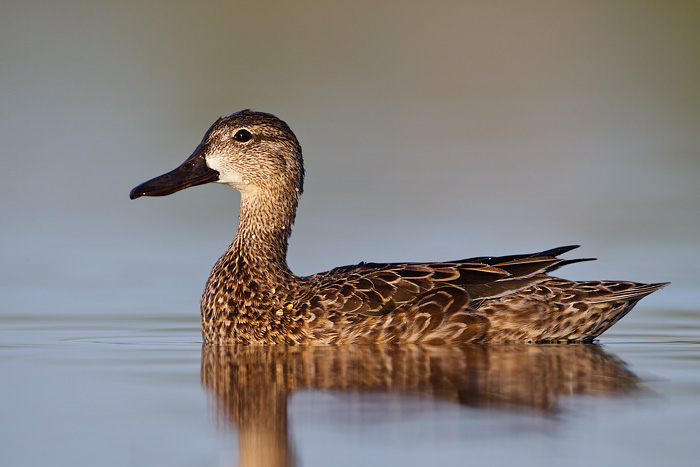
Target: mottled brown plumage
{"x": 252, "y": 296}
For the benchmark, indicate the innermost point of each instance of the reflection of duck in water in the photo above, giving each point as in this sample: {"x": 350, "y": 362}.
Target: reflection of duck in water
{"x": 252, "y": 296}
{"x": 251, "y": 385}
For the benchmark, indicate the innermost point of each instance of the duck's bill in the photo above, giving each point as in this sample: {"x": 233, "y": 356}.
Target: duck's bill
{"x": 193, "y": 171}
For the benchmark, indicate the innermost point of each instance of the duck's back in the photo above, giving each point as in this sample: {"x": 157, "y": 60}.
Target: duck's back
{"x": 484, "y": 299}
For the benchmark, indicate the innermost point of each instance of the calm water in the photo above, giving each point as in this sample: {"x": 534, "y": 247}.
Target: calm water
{"x": 431, "y": 131}
{"x": 142, "y": 390}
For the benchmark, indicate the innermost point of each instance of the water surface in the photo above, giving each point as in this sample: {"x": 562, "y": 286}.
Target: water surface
{"x": 142, "y": 390}
{"x": 431, "y": 131}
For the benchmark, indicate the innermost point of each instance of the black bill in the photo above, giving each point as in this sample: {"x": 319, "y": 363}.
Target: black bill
{"x": 193, "y": 171}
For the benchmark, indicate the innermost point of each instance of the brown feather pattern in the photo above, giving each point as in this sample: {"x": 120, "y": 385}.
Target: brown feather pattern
{"x": 252, "y": 296}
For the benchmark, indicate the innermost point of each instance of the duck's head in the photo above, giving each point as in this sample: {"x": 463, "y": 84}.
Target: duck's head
{"x": 250, "y": 151}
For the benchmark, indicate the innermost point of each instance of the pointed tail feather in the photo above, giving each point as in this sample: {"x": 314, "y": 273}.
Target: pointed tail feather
{"x": 634, "y": 293}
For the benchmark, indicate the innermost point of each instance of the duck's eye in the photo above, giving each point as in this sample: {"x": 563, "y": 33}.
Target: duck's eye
{"x": 242, "y": 136}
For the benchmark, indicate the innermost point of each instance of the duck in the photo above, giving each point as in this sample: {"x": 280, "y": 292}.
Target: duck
{"x": 252, "y": 296}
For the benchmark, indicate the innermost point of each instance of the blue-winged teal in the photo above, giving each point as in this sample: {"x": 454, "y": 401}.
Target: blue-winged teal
{"x": 252, "y": 296}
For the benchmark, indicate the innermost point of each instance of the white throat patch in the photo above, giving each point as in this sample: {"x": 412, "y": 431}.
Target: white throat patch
{"x": 227, "y": 174}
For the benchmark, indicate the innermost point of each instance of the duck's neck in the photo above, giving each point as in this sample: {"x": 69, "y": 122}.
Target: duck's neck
{"x": 251, "y": 279}
{"x": 264, "y": 227}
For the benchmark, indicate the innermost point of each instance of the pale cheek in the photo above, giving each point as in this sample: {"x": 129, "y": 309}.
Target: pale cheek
{"x": 228, "y": 174}
{"x": 230, "y": 177}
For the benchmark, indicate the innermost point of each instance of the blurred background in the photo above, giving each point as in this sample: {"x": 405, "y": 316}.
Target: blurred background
{"x": 431, "y": 131}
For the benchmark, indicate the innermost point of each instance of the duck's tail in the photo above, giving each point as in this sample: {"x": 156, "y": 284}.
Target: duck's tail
{"x": 558, "y": 310}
